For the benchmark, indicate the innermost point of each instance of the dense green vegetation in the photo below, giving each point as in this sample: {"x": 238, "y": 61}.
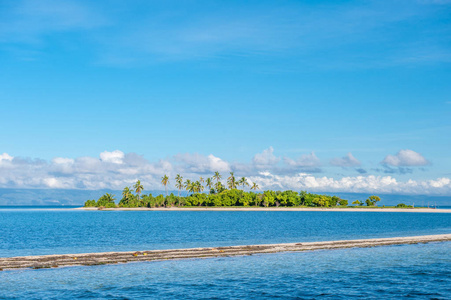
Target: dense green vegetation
{"x": 221, "y": 195}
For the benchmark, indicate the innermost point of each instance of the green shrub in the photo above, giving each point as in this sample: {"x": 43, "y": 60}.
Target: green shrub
{"x": 110, "y": 205}
{"x": 343, "y": 202}
{"x": 402, "y": 205}
{"x": 90, "y": 203}
{"x": 105, "y": 199}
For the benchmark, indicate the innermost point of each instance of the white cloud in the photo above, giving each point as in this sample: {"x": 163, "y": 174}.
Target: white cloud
{"x": 115, "y": 157}
{"x": 405, "y": 158}
{"x": 218, "y": 164}
{"x": 5, "y": 157}
{"x": 348, "y": 161}
{"x": 440, "y": 182}
{"x": 57, "y": 183}
{"x": 63, "y": 165}
{"x": 198, "y": 163}
{"x": 266, "y": 159}
{"x": 304, "y": 161}
{"x": 63, "y": 161}
{"x": 357, "y": 184}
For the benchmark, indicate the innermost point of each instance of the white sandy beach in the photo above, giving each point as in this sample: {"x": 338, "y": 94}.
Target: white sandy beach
{"x": 203, "y": 208}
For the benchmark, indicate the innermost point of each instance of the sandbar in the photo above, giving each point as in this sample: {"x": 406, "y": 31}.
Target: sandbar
{"x": 91, "y": 259}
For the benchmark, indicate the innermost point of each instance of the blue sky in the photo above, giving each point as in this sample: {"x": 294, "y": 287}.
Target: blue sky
{"x": 277, "y": 91}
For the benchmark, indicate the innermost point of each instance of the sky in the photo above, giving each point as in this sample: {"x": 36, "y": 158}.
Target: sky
{"x": 327, "y": 96}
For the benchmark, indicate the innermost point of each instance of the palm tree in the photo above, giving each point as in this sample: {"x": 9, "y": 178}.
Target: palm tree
{"x": 255, "y": 186}
{"x": 126, "y": 192}
{"x": 243, "y": 182}
{"x": 165, "y": 181}
{"x": 199, "y": 187}
{"x": 138, "y": 188}
{"x": 209, "y": 183}
{"x": 189, "y": 185}
{"x": 179, "y": 182}
{"x": 125, "y": 196}
{"x": 219, "y": 187}
{"x": 201, "y": 180}
{"x": 231, "y": 181}
{"x": 110, "y": 197}
{"x": 195, "y": 186}
{"x": 217, "y": 176}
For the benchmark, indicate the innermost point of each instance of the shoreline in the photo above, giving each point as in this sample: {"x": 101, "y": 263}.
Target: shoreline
{"x": 102, "y": 258}
{"x": 203, "y": 208}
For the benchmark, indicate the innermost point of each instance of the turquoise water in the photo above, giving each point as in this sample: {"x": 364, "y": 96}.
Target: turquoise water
{"x": 407, "y": 271}
{"x": 412, "y": 271}
{"x": 35, "y": 232}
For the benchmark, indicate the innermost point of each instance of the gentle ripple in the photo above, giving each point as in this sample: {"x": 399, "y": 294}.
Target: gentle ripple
{"x": 37, "y": 232}
{"x": 408, "y": 271}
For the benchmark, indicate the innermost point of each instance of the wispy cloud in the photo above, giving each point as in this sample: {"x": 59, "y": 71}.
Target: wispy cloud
{"x": 305, "y": 163}
{"x": 405, "y": 158}
{"x": 354, "y": 35}
{"x": 266, "y": 159}
{"x": 28, "y": 21}
{"x": 347, "y": 161}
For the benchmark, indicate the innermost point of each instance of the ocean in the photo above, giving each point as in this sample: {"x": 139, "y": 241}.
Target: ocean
{"x": 413, "y": 271}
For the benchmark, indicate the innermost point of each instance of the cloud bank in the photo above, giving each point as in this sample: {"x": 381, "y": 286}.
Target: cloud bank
{"x": 357, "y": 184}
{"x": 116, "y": 169}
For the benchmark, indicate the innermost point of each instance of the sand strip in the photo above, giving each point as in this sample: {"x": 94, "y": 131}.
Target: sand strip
{"x": 203, "y": 208}
{"x": 89, "y": 259}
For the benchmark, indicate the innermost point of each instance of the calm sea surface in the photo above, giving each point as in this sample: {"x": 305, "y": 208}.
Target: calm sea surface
{"x": 393, "y": 272}
{"x": 414, "y": 271}
{"x": 35, "y": 232}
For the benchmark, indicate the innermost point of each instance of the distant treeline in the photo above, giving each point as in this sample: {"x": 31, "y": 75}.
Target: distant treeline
{"x": 225, "y": 198}
{"x": 220, "y": 195}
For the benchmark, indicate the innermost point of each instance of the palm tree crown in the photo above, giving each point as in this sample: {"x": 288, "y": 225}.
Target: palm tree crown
{"x": 243, "y": 182}
{"x": 165, "y": 182}
{"x": 189, "y": 185}
{"x": 217, "y": 176}
{"x": 138, "y": 188}
{"x": 179, "y": 182}
{"x": 255, "y": 186}
{"x": 209, "y": 183}
{"x": 126, "y": 192}
{"x": 110, "y": 197}
{"x": 231, "y": 181}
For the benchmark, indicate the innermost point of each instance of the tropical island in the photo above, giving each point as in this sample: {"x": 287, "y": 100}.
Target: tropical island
{"x": 220, "y": 195}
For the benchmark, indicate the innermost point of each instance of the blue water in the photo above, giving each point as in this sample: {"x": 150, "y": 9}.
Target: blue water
{"x": 407, "y": 271}
{"x": 35, "y": 232}
{"x": 411, "y": 271}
